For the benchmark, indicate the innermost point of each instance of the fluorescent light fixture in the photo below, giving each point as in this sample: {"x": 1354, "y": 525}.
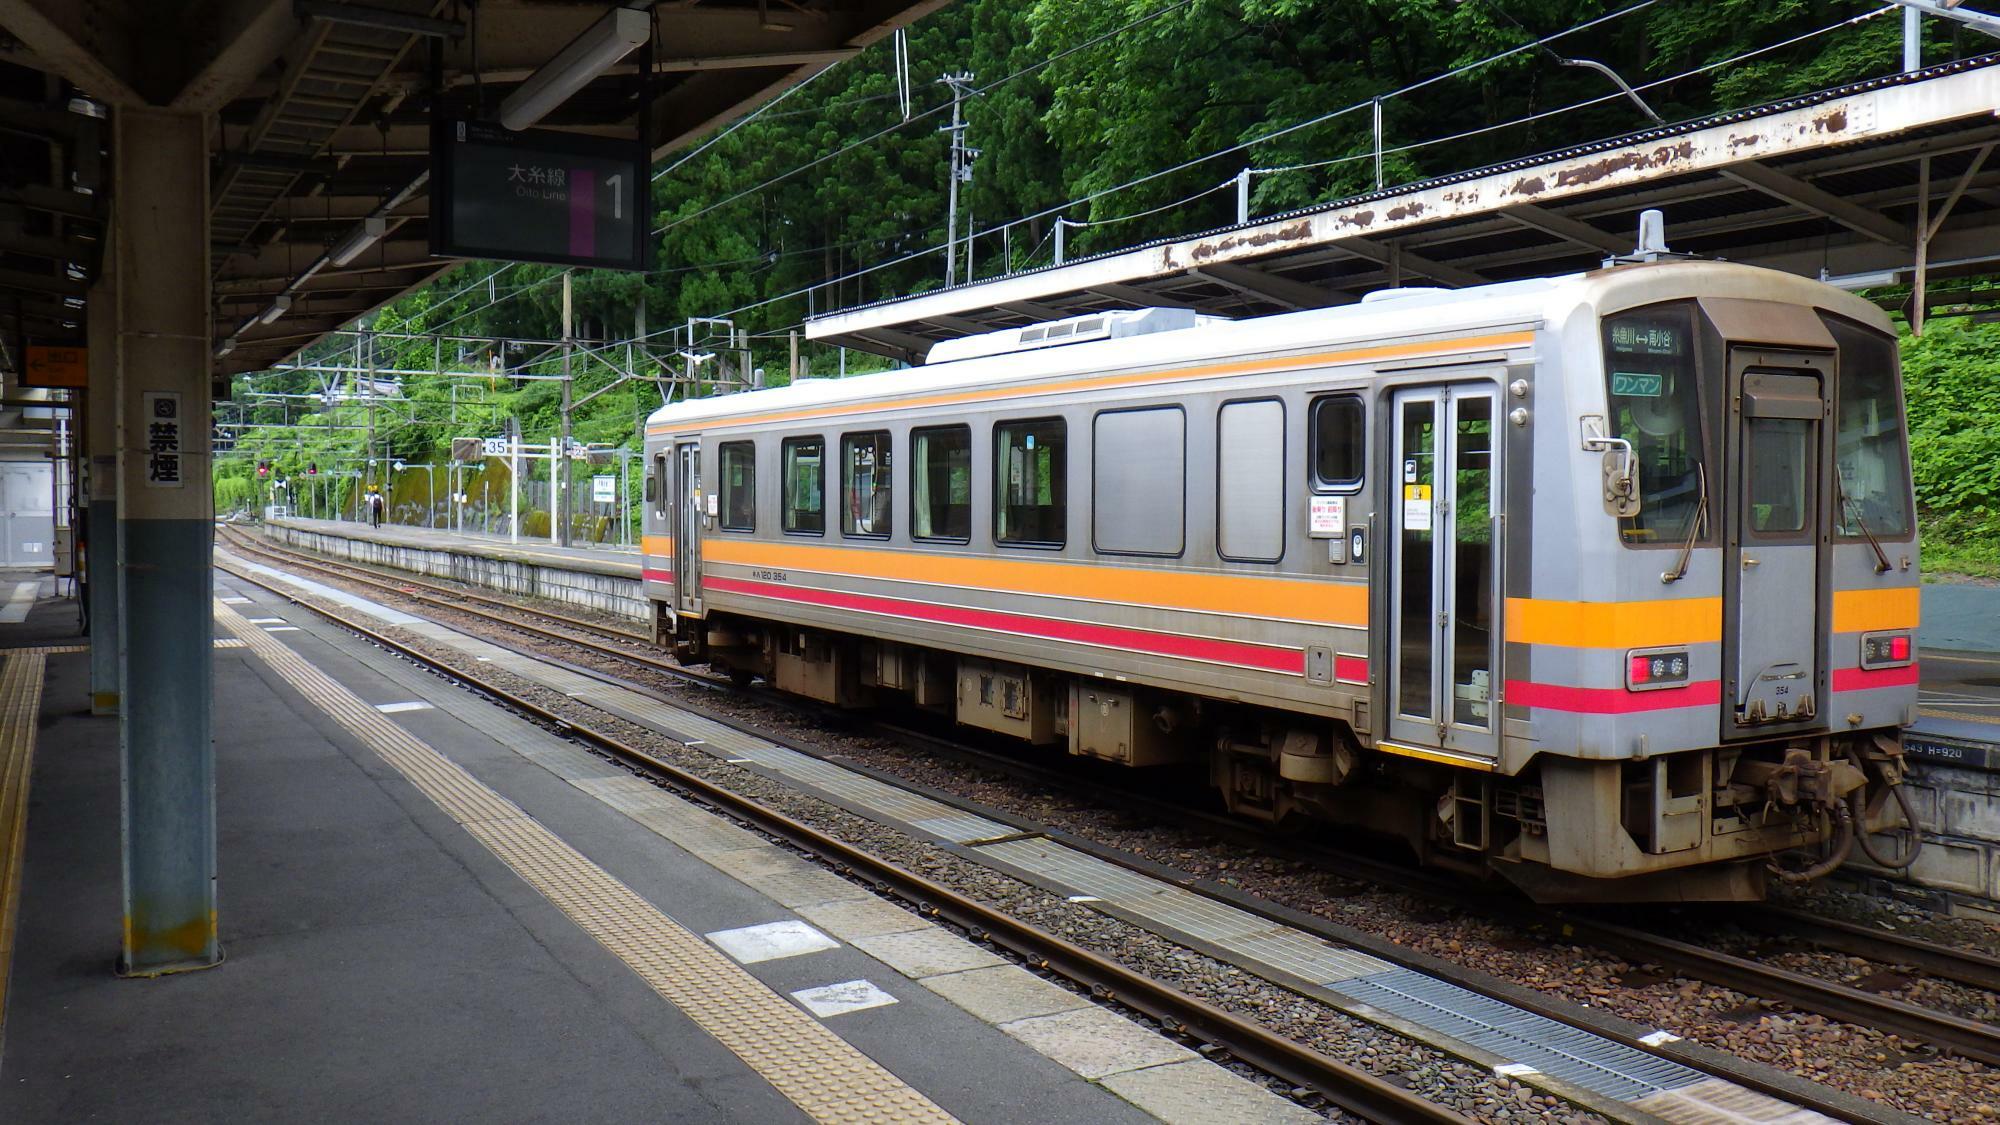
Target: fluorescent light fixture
{"x": 1873, "y": 280}
{"x": 587, "y": 56}
{"x": 85, "y": 107}
{"x": 360, "y": 238}
{"x": 279, "y": 307}
{"x": 228, "y": 345}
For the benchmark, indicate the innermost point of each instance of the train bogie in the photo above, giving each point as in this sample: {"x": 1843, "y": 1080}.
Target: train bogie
{"x": 1605, "y": 583}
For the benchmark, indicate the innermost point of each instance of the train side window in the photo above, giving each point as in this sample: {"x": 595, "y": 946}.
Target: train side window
{"x": 941, "y": 483}
{"x": 739, "y": 486}
{"x": 1338, "y": 442}
{"x": 1138, "y": 483}
{"x": 1030, "y": 483}
{"x": 656, "y": 485}
{"x": 864, "y": 485}
{"x": 805, "y": 485}
{"x": 1250, "y": 481}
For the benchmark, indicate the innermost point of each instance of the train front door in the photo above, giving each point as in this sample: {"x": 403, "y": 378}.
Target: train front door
{"x": 1444, "y": 583}
{"x": 689, "y": 514}
{"x": 1773, "y": 567}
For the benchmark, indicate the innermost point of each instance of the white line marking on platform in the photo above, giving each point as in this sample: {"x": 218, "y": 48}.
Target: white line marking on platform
{"x": 771, "y": 940}
{"x": 235, "y": 600}
{"x": 393, "y": 708}
{"x": 1085, "y": 898}
{"x": 1659, "y": 1038}
{"x": 281, "y": 628}
{"x": 23, "y": 600}
{"x": 847, "y": 996}
{"x": 266, "y": 620}
{"x": 1513, "y": 1070}
{"x": 739, "y": 761}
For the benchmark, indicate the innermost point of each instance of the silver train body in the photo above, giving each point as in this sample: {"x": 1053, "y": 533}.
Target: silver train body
{"x": 1605, "y": 582}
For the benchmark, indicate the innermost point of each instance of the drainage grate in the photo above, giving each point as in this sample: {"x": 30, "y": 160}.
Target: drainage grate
{"x": 1590, "y": 1061}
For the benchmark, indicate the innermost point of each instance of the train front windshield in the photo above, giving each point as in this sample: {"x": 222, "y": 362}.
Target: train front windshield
{"x": 1649, "y": 359}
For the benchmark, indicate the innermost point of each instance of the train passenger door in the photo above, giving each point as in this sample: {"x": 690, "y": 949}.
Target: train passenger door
{"x": 688, "y": 517}
{"x": 1444, "y": 581}
{"x": 1772, "y": 564}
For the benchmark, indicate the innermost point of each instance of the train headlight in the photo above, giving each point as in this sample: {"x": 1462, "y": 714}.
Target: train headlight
{"x": 1647, "y": 669}
{"x": 1887, "y": 650}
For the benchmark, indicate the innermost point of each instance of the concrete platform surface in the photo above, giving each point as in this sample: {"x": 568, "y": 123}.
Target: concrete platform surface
{"x": 390, "y": 956}
{"x": 592, "y": 556}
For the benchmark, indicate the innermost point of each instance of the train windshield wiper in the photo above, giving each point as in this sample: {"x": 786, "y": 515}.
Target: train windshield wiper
{"x": 1854, "y": 513}
{"x": 1680, "y": 567}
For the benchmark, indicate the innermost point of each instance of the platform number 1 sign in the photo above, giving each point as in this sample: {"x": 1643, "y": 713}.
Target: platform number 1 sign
{"x": 163, "y": 439}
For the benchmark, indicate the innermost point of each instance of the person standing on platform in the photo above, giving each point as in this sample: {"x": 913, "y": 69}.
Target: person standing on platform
{"x": 375, "y": 507}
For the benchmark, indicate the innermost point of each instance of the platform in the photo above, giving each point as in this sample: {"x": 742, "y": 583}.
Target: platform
{"x": 432, "y": 910}
{"x": 601, "y": 579}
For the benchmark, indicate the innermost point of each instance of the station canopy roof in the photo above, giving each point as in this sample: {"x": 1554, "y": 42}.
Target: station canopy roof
{"x": 1838, "y": 183}
{"x": 320, "y": 113}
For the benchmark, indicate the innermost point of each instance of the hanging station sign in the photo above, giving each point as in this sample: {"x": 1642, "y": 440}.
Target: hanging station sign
{"x": 538, "y": 196}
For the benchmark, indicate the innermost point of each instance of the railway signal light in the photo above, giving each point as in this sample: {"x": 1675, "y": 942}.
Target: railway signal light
{"x": 263, "y": 469}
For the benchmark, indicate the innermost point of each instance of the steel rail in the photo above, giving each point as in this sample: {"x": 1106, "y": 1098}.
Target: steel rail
{"x": 1970, "y": 1038}
{"x": 1966, "y": 966}
{"x": 444, "y": 597}
{"x": 1347, "y": 1087}
{"x": 1967, "y": 1037}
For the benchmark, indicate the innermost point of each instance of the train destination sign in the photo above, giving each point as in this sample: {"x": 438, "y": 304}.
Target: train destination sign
{"x": 538, "y": 196}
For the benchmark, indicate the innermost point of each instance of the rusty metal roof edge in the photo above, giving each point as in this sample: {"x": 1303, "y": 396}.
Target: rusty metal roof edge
{"x": 1625, "y": 140}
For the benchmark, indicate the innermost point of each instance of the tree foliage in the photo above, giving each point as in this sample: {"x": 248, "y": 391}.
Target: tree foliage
{"x": 1078, "y": 97}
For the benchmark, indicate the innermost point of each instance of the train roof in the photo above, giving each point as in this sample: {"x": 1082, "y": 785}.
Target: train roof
{"x": 1408, "y": 313}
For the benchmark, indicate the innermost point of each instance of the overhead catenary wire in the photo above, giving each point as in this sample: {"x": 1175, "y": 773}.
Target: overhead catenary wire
{"x": 924, "y": 115}
{"x": 1079, "y": 201}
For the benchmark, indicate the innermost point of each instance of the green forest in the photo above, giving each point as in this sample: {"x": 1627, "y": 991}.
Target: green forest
{"x": 769, "y": 221}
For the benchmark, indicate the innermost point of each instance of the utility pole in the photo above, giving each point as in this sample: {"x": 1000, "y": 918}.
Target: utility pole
{"x": 961, "y": 167}
{"x": 559, "y": 500}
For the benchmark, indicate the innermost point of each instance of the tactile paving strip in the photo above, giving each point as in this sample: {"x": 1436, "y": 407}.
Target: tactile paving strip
{"x": 821, "y": 1073}
{"x": 20, "y": 715}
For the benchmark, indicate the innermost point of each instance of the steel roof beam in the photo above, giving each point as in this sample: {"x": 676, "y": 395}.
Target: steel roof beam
{"x": 1267, "y": 286}
{"x": 1799, "y": 193}
{"x": 55, "y": 30}
{"x": 1032, "y": 310}
{"x": 1144, "y": 298}
{"x": 255, "y": 35}
{"x": 1407, "y": 261}
{"x": 1564, "y": 227}
{"x": 61, "y": 286}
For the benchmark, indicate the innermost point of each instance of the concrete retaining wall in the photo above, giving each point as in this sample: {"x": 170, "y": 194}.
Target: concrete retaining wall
{"x": 604, "y": 589}
{"x": 1955, "y": 786}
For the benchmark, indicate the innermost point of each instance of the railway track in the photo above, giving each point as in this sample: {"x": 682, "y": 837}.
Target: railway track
{"x": 1346, "y": 1087}
{"x": 1966, "y": 1037}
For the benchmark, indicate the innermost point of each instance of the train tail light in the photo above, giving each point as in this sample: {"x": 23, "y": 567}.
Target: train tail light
{"x": 1887, "y": 650}
{"x": 1656, "y": 668}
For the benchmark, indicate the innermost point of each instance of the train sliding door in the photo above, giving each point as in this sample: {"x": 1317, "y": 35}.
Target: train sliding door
{"x": 1778, "y": 514}
{"x": 1443, "y": 565}
{"x": 688, "y": 515}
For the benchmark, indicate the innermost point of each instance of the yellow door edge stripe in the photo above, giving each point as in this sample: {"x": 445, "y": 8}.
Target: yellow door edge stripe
{"x": 1129, "y": 379}
{"x": 1445, "y": 757}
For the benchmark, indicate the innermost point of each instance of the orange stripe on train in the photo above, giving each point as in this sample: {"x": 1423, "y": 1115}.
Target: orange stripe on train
{"x": 1321, "y": 601}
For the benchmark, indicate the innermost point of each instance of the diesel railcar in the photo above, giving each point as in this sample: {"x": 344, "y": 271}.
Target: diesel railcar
{"x": 1605, "y": 582}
